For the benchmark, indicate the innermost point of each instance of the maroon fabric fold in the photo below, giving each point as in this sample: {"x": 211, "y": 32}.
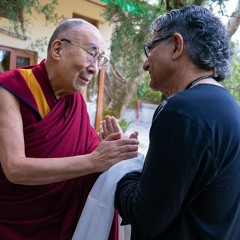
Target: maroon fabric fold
{"x": 51, "y": 211}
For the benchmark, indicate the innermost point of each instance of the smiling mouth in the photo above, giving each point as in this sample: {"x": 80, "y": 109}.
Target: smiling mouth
{"x": 85, "y": 79}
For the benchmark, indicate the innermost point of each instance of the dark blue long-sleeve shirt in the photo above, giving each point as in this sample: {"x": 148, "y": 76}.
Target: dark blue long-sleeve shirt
{"x": 190, "y": 185}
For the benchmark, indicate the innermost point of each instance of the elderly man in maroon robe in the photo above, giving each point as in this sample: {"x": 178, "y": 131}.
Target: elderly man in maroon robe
{"x": 50, "y": 155}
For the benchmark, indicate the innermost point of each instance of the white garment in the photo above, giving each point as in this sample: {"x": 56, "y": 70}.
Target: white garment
{"x": 97, "y": 216}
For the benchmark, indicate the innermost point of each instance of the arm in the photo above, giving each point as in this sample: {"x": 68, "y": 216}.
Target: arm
{"x": 150, "y": 202}
{"x": 20, "y": 169}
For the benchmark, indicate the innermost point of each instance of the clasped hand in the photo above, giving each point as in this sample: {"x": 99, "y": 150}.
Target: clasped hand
{"x": 110, "y": 125}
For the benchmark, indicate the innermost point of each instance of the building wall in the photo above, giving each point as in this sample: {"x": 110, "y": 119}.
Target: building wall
{"x": 37, "y": 28}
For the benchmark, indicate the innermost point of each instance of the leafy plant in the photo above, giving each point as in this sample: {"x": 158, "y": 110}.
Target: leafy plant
{"x": 124, "y": 124}
{"x": 17, "y": 10}
{"x": 233, "y": 83}
{"x": 145, "y": 93}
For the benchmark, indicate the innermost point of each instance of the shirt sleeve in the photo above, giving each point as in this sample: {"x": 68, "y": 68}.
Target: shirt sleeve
{"x": 152, "y": 200}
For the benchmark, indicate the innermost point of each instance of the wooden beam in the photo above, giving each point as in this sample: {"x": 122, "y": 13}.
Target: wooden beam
{"x": 101, "y": 77}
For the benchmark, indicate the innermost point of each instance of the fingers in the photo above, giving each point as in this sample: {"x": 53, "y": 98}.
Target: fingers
{"x": 101, "y": 136}
{"x": 127, "y": 151}
{"x": 110, "y": 125}
{"x": 104, "y": 128}
{"x": 124, "y": 148}
{"x": 115, "y": 125}
{"x": 134, "y": 135}
{"x": 113, "y": 151}
{"x": 113, "y": 136}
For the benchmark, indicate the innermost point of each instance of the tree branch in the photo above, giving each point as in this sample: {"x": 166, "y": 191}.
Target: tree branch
{"x": 234, "y": 20}
{"x": 117, "y": 74}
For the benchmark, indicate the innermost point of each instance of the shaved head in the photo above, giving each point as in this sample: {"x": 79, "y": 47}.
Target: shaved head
{"x": 66, "y": 26}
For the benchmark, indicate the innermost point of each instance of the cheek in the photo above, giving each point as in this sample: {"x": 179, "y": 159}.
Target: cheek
{"x": 75, "y": 60}
{"x": 155, "y": 75}
{"x": 75, "y": 67}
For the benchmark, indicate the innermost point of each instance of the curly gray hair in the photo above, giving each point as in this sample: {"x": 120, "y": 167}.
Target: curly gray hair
{"x": 206, "y": 39}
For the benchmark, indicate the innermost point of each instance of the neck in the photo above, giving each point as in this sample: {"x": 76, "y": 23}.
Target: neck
{"x": 197, "y": 80}
{"x": 51, "y": 76}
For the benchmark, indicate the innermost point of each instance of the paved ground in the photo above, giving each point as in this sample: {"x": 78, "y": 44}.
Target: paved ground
{"x": 142, "y": 125}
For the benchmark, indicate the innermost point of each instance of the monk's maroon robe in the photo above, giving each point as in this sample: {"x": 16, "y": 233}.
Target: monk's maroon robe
{"x": 52, "y": 128}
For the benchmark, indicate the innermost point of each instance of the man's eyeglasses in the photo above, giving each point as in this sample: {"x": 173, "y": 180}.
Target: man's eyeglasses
{"x": 149, "y": 45}
{"x": 94, "y": 54}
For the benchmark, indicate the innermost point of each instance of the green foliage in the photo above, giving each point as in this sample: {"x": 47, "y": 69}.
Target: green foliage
{"x": 17, "y": 10}
{"x": 131, "y": 28}
{"x": 145, "y": 93}
{"x": 233, "y": 83}
{"x": 124, "y": 124}
{"x": 134, "y": 101}
{"x": 128, "y": 6}
{"x": 39, "y": 44}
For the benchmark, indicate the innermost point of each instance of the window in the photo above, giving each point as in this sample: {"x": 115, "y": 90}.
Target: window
{"x": 12, "y": 57}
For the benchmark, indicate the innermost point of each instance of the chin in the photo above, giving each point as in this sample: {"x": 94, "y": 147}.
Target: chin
{"x": 80, "y": 89}
{"x": 154, "y": 88}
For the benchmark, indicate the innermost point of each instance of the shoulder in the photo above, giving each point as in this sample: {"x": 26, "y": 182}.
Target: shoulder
{"x": 206, "y": 105}
{"x": 9, "y": 74}
{"x": 203, "y": 97}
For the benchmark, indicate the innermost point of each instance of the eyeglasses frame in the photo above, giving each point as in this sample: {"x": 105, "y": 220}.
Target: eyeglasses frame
{"x": 98, "y": 55}
{"x": 154, "y": 42}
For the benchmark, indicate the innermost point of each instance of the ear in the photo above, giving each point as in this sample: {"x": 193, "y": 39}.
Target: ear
{"x": 56, "y": 49}
{"x": 178, "y": 45}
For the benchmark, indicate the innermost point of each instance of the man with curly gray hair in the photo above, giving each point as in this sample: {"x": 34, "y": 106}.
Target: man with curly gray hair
{"x": 189, "y": 187}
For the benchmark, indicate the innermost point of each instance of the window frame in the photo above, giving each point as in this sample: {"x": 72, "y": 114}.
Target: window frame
{"x": 16, "y": 52}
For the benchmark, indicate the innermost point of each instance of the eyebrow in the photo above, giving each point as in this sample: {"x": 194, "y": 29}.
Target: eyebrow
{"x": 94, "y": 47}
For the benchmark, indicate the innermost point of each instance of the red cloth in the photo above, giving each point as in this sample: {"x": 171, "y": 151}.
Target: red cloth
{"x": 51, "y": 211}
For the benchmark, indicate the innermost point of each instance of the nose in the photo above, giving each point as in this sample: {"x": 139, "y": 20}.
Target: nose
{"x": 146, "y": 65}
{"x": 93, "y": 68}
